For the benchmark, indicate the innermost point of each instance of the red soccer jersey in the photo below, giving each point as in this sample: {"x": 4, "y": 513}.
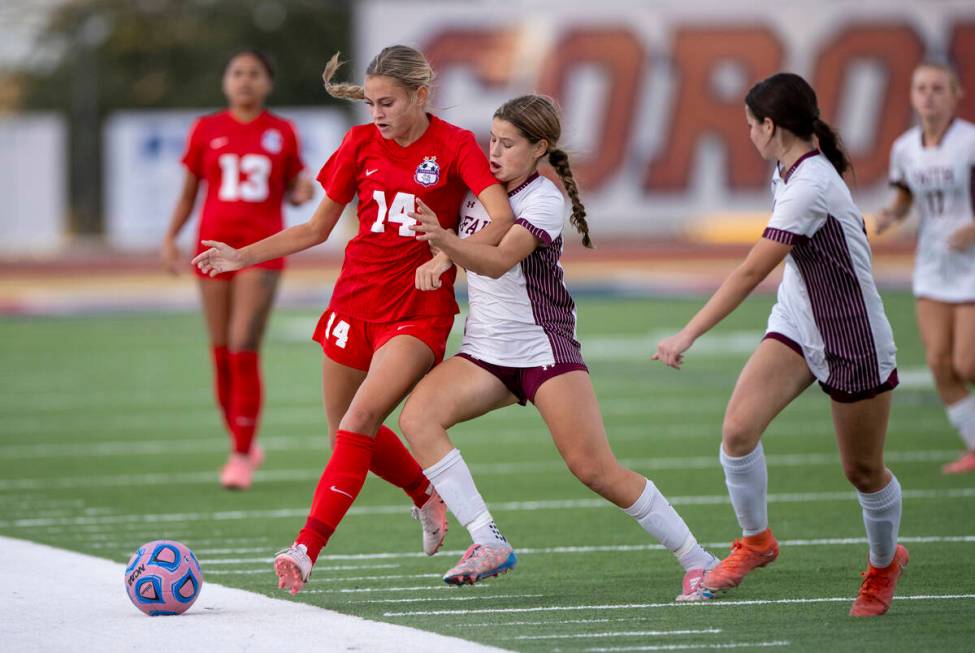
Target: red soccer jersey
{"x": 377, "y": 280}
{"x": 247, "y": 168}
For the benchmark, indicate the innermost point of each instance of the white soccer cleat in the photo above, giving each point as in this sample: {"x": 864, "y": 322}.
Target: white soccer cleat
{"x": 293, "y": 567}
{"x": 433, "y": 518}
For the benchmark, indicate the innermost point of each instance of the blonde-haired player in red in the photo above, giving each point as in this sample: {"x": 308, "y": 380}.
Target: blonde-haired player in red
{"x": 250, "y": 161}
{"x": 380, "y": 334}
{"x": 932, "y": 168}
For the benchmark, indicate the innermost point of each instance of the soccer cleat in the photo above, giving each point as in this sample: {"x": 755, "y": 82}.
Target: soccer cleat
{"x": 877, "y": 589}
{"x": 256, "y": 456}
{"x": 237, "y": 473}
{"x": 692, "y": 589}
{"x": 293, "y": 567}
{"x": 482, "y": 561}
{"x": 433, "y": 518}
{"x": 964, "y": 464}
{"x": 743, "y": 558}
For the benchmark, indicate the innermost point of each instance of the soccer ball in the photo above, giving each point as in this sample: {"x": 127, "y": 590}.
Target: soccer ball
{"x": 163, "y": 577}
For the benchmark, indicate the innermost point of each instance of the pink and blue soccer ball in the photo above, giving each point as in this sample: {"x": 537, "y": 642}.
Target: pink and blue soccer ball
{"x": 163, "y": 577}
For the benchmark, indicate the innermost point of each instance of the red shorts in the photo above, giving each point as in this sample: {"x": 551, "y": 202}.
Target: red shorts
{"x": 352, "y": 342}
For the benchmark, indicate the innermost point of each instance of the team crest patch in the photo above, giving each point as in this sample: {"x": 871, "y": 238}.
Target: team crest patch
{"x": 428, "y": 172}
{"x": 272, "y": 141}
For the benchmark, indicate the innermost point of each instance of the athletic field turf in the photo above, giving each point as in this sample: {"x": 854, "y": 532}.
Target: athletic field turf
{"x": 109, "y": 438}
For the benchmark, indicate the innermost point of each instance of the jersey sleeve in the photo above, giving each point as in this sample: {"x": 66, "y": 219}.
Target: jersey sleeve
{"x": 472, "y": 165}
{"x": 338, "y": 175}
{"x": 543, "y": 216}
{"x": 799, "y": 212}
{"x": 195, "y": 147}
{"x": 294, "y": 163}
{"x": 898, "y": 172}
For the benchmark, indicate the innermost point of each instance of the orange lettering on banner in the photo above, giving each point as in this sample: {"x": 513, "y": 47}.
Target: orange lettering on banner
{"x": 701, "y": 111}
{"x": 963, "y": 56}
{"x": 489, "y": 53}
{"x": 898, "y": 49}
{"x": 620, "y": 56}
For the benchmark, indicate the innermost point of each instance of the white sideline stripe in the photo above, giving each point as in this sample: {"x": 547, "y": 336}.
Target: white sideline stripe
{"x": 488, "y": 469}
{"x": 686, "y": 647}
{"x": 223, "y": 619}
{"x": 454, "y": 598}
{"x": 648, "y": 606}
{"x": 513, "y": 506}
{"x": 494, "y": 624}
{"x": 622, "y": 633}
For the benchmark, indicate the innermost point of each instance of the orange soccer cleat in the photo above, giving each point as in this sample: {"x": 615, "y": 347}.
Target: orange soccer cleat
{"x": 964, "y": 464}
{"x": 877, "y": 589}
{"x": 748, "y": 553}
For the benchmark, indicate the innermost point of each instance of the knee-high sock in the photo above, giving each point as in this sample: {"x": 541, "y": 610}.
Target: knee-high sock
{"x": 338, "y": 487}
{"x": 393, "y": 463}
{"x": 455, "y": 485}
{"x": 222, "y": 381}
{"x": 655, "y": 514}
{"x": 961, "y": 414}
{"x": 882, "y": 519}
{"x": 747, "y": 481}
{"x": 245, "y": 402}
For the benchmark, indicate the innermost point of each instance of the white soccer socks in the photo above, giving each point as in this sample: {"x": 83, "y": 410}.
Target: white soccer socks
{"x": 747, "y": 481}
{"x": 655, "y": 514}
{"x": 882, "y": 519}
{"x": 961, "y": 414}
{"x": 455, "y": 485}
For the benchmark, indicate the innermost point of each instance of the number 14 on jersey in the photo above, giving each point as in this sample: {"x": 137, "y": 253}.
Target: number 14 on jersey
{"x": 398, "y": 213}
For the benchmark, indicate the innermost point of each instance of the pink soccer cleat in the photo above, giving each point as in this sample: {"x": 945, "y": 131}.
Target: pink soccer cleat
{"x": 433, "y": 519}
{"x": 237, "y": 473}
{"x": 877, "y": 589}
{"x": 963, "y": 465}
{"x": 256, "y": 456}
{"x": 482, "y": 561}
{"x": 293, "y": 567}
{"x": 692, "y": 589}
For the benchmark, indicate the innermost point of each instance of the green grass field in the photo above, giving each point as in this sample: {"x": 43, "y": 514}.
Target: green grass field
{"x": 109, "y": 438}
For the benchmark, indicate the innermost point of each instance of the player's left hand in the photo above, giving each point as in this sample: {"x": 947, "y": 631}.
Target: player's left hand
{"x": 428, "y": 274}
{"x": 670, "y": 351}
{"x": 428, "y": 227}
{"x": 221, "y": 257}
{"x": 962, "y": 239}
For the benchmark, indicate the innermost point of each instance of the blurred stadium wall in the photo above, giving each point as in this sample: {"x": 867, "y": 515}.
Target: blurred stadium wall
{"x": 652, "y": 93}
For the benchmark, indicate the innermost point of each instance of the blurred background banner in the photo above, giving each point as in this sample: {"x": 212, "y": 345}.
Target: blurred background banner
{"x": 33, "y": 176}
{"x": 143, "y": 174}
{"x": 653, "y": 91}
{"x": 98, "y": 96}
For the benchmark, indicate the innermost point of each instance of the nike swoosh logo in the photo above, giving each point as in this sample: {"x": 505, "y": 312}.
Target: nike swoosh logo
{"x": 403, "y": 326}
{"x": 369, "y": 172}
{"x": 335, "y": 489}
{"x": 217, "y": 143}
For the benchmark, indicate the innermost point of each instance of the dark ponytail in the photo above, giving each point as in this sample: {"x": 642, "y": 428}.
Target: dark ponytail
{"x": 831, "y": 146}
{"x": 790, "y": 102}
{"x": 559, "y": 160}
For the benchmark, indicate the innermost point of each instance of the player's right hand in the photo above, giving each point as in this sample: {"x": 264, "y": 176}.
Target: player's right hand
{"x": 221, "y": 257}
{"x": 670, "y": 351}
{"x": 169, "y": 256}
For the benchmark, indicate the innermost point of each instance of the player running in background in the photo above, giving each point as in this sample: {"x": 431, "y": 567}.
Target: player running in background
{"x": 519, "y": 346}
{"x": 250, "y": 161}
{"x": 380, "y": 334}
{"x": 932, "y": 167}
{"x": 828, "y": 324}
